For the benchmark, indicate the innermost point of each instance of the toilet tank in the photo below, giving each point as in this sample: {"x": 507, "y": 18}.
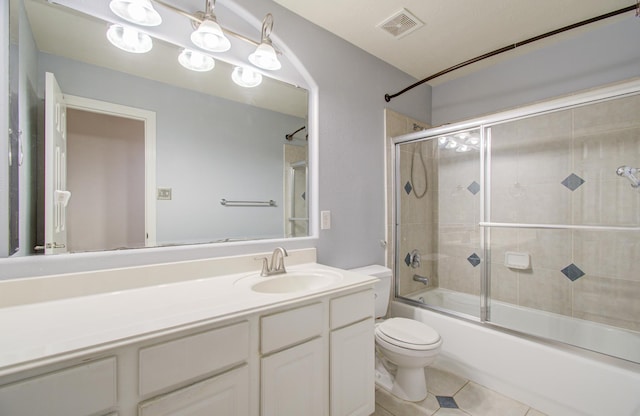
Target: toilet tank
{"x": 382, "y": 289}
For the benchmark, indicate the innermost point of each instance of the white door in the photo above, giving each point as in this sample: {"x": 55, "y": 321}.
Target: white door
{"x": 56, "y": 195}
{"x": 352, "y": 370}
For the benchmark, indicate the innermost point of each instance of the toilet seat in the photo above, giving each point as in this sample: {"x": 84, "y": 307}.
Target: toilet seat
{"x": 408, "y": 334}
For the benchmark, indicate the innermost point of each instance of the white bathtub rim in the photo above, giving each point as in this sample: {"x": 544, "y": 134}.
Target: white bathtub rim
{"x": 595, "y": 344}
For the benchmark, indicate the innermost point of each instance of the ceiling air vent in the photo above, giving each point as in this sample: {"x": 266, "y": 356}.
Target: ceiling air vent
{"x": 401, "y": 24}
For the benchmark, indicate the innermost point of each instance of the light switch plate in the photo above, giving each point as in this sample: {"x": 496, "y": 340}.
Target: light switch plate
{"x": 164, "y": 194}
{"x": 325, "y": 220}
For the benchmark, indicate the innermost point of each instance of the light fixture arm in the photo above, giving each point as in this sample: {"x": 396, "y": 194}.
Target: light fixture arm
{"x": 197, "y": 18}
{"x": 267, "y": 28}
{"x": 209, "y": 5}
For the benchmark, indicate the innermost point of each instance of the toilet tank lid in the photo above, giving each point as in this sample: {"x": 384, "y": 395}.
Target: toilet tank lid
{"x": 373, "y": 270}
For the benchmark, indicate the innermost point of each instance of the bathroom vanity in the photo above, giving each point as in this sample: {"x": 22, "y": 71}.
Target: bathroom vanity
{"x": 200, "y": 345}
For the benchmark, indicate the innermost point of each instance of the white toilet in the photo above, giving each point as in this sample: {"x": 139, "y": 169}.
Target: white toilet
{"x": 404, "y": 347}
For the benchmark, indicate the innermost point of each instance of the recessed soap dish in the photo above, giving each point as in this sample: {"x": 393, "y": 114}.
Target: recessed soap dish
{"x": 517, "y": 260}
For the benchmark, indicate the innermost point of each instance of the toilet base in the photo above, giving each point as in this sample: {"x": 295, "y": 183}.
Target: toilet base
{"x": 408, "y": 383}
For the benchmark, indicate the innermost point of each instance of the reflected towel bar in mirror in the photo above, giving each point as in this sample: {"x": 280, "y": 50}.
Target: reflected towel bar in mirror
{"x": 226, "y": 203}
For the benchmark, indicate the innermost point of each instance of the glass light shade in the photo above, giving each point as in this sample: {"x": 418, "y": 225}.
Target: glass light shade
{"x": 209, "y": 36}
{"x": 265, "y": 57}
{"x": 196, "y": 61}
{"x": 463, "y": 148}
{"x": 140, "y": 12}
{"x": 246, "y": 77}
{"x": 129, "y": 39}
{"x": 451, "y": 144}
{"x": 473, "y": 140}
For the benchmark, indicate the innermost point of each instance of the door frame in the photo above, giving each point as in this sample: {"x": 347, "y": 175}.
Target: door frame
{"x": 149, "y": 120}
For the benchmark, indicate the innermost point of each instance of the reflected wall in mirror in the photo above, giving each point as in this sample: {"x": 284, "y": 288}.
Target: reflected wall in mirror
{"x": 152, "y": 148}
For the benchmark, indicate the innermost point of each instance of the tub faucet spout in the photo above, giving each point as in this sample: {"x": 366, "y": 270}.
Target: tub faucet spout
{"x": 422, "y": 279}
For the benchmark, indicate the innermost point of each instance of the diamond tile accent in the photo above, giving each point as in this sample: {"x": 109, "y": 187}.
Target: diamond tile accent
{"x": 573, "y": 181}
{"x": 304, "y": 196}
{"x": 447, "y": 402}
{"x": 407, "y": 259}
{"x": 573, "y": 272}
{"x": 473, "y": 259}
{"x": 408, "y": 188}
{"x": 474, "y": 187}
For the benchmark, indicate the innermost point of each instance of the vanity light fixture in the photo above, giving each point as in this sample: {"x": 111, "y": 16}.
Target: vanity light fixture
{"x": 265, "y": 56}
{"x": 129, "y": 39}
{"x": 209, "y": 35}
{"x": 246, "y": 77}
{"x": 196, "y": 61}
{"x": 140, "y": 12}
{"x": 451, "y": 144}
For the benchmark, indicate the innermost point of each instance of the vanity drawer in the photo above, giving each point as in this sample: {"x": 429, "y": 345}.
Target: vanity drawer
{"x": 81, "y": 390}
{"x": 226, "y": 394}
{"x": 291, "y": 327}
{"x": 351, "y": 308}
{"x": 183, "y": 359}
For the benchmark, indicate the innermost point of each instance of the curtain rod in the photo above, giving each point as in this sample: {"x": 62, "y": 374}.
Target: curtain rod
{"x": 388, "y": 97}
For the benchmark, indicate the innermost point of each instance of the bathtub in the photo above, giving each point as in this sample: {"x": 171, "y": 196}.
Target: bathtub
{"x": 555, "y": 378}
{"x": 586, "y": 334}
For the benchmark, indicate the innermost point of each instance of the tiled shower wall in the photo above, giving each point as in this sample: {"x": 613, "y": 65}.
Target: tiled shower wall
{"x": 560, "y": 168}
{"x": 557, "y": 168}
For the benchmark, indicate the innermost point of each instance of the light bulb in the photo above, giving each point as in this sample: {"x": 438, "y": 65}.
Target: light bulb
{"x": 129, "y": 39}
{"x": 209, "y": 36}
{"x": 265, "y": 57}
{"x": 246, "y": 77}
{"x": 136, "y": 11}
{"x": 196, "y": 61}
{"x": 140, "y": 12}
{"x": 451, "y": 144}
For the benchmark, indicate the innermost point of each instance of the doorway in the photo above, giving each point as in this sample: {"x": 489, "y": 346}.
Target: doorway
{"x": 110, "y": 174}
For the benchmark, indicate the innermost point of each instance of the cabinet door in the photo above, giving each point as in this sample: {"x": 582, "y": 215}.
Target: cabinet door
{"x": 293, "y": 381}
{"x": 352, "y": 370}
{"x": 226, "y": 394}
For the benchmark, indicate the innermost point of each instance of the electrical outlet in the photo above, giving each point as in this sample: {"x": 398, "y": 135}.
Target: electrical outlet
{"x": 325, "y": 220}
{"x": 164, "y": 194}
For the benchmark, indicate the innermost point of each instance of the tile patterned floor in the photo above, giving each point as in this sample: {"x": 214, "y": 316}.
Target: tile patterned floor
{"x": 450, "y": 395}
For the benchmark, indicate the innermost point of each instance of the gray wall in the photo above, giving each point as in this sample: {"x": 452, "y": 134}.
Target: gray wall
{"x": 352, "y": 85}
{"x": 580, "y": 59}
{"x": 207, "y": 148}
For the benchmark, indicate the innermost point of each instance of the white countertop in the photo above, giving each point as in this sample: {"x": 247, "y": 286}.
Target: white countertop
{"x": 40, "y": 333}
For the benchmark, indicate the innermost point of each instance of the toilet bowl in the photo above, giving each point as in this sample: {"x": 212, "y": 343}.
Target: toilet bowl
{"x": 411, "y": 346}
{"x": 404, "y": 347}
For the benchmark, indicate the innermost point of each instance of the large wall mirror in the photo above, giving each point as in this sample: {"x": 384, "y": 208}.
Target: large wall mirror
{"x": 155, "y": 154}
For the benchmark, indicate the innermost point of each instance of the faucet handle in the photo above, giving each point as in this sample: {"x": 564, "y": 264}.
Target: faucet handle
{"x": 265, "y": 266}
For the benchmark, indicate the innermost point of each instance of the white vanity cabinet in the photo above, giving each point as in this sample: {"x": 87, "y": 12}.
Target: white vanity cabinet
{"x": 352, "y": 350}
{"x": 294, "y": 361}
{"x": 311, "y": 357}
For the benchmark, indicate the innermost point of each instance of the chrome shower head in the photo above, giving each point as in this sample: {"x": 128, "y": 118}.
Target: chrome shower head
{"x": 630, "y": 173}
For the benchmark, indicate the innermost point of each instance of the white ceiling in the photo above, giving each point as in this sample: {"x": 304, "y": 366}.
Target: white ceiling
{"x": 454, "y": 31}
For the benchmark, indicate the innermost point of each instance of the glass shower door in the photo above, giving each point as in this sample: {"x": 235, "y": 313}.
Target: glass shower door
{"x": 438, "y": 240}
{"x": 562, "y": 225}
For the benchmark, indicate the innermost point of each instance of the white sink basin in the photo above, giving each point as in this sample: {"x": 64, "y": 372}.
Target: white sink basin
{"x": 295, "y": 281}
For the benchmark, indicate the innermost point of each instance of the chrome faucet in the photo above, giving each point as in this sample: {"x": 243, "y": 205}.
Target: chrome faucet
{"x": 277, "y": 262}
{"x": 421, "y": 279}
